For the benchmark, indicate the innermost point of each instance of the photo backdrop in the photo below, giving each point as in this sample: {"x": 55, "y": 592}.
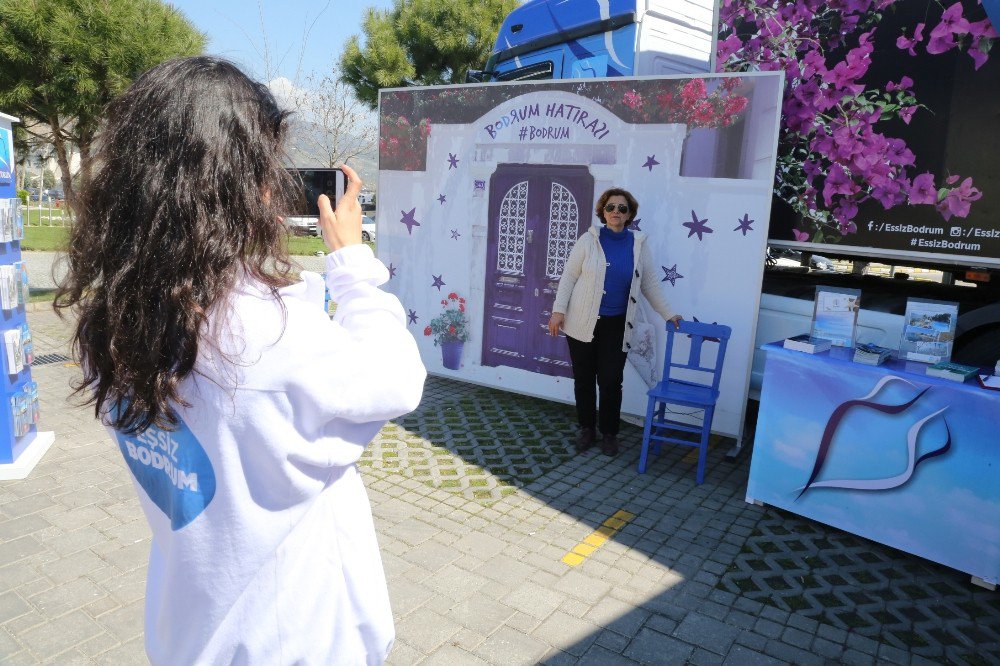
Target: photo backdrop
{"x": 483, "y": 190}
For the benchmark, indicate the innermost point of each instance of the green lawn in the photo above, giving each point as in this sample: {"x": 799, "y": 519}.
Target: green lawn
{"x": 54, "y": 239}
{"x": 45, "y": 239}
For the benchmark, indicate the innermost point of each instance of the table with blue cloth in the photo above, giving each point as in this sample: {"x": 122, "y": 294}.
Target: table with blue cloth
{"x": 884, "y": 452}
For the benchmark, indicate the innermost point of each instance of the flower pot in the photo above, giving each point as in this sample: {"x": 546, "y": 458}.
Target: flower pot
{"x": 451, "y": 354}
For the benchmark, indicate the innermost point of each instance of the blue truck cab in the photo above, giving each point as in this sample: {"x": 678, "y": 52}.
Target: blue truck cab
{"x": 564, "y": 39}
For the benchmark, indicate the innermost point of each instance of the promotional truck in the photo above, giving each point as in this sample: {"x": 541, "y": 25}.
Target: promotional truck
{"x": 889, "y": 154}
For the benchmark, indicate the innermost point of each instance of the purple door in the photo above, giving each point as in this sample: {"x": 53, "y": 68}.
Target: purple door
{"x": 536, "y": 215}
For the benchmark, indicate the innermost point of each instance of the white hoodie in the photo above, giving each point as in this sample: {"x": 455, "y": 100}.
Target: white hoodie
{"x": 264, "y": 549}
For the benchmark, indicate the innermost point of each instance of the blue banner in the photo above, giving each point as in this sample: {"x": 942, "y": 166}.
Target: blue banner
{"x": 883, "y": 452}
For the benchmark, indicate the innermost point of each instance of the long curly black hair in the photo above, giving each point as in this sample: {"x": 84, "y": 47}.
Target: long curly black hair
{"x": 186, "y": 198}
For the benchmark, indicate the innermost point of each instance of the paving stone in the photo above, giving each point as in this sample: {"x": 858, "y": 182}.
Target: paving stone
{"x": 480, "y": 614}
{"x": 791, "y": 653}
{"x": 702, "y": 657}
{"x": 533, "y": 599}
{"x": 60, "y": 634}
{"x": 650, "y": 647}
{"x": 797, "y": 638}
{"x": 707, "y": 633}
{"x": 743, "y": 656}
{"x": 451, "y": 655}
{"x": 769, "y": 628}
{"x": 612, "y": 640}
{"x": 403, "y": 654}
{"x": 582, "y": 586}
{"x": 508, "y": 646}
{"x": 566, "y": 632}
{"x": 426, "y": 630}
{"x": 12, "y": 606}
{"x": 601, "y": 656}
{"x": 856, "y": 658}
{"x": 618, "y": 616}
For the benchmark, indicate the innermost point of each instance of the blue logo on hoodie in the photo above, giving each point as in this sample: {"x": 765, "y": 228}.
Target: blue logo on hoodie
{"x": 173, "y": 469}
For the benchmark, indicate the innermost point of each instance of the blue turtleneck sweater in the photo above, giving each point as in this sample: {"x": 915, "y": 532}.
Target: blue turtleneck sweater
{"x": 618, "y": 278}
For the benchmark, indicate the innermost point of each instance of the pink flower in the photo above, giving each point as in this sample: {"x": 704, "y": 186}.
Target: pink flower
{"x": 838, "y": 182}
{"x": 693, "y": 92}
{"x": 735, "y": 105}
{"x": 427, "y": 330}
{"x": 800, "y": 236}
{"x": 451, "y": 329}
{"x": 922, "y": 190}
{"x": 632, "y": 99}
{"x": 728, "y": 47}
{"x": 940, "y": 43}
{"x": 952, "y": 21}
{"x": 903, "y": 43}
{"x": 905, "y": 83}
{"x": 979, "y": 52}
{"x": 906, "y": 113}
{"x": 958, "y": 201}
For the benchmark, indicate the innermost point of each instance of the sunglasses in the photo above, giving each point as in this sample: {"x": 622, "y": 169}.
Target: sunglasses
{"x": 610, "y": 208}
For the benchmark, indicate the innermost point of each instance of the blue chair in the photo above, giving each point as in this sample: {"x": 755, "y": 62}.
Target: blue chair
{"x": 685, "y": 392}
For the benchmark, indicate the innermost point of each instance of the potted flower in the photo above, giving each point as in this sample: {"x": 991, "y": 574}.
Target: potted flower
{"x": 450, "y": 330}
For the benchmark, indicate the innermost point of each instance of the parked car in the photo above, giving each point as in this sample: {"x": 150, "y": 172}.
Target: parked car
{"x": 368, "y": 229}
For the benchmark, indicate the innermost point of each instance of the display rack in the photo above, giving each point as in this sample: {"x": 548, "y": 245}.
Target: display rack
{"x": 21, "y": 445}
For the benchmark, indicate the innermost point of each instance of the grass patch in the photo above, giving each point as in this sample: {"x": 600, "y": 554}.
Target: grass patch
{"x": 45, "y": 239}
{"x": 56, "y": 239}
{"x": 41, "y": 295}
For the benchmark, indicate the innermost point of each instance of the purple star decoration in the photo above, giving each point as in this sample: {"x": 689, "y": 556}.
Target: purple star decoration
{"x": 635, "y": 224}
{"x": 744, "y": 224}
{"x": 453, "y": 161}
{"x": 455, "y": 234}
{"x": 392, "y": 271}
{"x": 412, "y": 316}
{"x": 671, "y": 275}
{"x": 442, "y": 198}
{"x": 697, "y": 226}
{"x": 650, "y": 162}
{"x": 438, "y": 282}
{"x": 409, "y": 220}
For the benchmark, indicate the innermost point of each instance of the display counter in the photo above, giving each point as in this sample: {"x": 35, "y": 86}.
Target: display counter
{"x": 885, "y": 452}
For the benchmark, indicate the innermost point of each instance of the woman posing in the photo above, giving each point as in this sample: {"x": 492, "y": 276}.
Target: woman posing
{"x": 608, "y": 268}
{"x": 239, "y": 407}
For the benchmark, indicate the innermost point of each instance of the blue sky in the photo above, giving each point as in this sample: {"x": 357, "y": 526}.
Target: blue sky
{"x": 234, "y": 31}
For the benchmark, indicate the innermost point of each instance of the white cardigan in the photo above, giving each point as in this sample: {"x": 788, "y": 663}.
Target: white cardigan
{"x": 582, "y": 285}
{"x": 264, "y": 550}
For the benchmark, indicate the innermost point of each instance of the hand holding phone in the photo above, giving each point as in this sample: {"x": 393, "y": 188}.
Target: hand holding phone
{"x": 342, "y": 227}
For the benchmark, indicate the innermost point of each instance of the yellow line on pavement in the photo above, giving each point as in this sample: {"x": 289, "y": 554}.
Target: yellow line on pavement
{"x": 597, "y": 538}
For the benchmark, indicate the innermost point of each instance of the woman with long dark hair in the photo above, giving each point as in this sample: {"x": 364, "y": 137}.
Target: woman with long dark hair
{"x": 239, "y": 407}
{"x": 608, "y": 269}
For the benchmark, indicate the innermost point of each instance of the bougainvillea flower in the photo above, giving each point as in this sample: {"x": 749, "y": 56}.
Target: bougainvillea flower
{"x": 905, "y": 83}
{"x": 838, "y": 182}
{"x": 922, "y": 190}
{"x": 728, "y": 47}
{"x": 979, "y": 52}
{"x": 906, "y": 113}
{"x": 800, "y": 236}
{"x": 952, "y": 21}
{"x": 958, "y": 201}
{"x": 941, "y": 43}
{"x": 905, "y": 43}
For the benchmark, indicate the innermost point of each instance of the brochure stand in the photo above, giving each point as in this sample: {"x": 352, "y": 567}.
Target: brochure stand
{"x": 21, "y": 445}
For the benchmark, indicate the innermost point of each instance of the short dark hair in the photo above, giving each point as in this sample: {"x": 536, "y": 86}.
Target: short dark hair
{"x": 633, "y": 204}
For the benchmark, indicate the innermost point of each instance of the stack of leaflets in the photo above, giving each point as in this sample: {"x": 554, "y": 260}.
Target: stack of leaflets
{"x": 870, "y": 354}
{"x": 956, "y": 372}
{"x": 807, "y": 343}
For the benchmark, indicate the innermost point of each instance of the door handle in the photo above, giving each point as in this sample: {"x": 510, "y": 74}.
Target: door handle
{"x": 531, "y": 235}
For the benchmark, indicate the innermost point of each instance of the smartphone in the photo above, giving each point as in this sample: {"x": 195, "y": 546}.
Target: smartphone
{"x": 314, "y": 182}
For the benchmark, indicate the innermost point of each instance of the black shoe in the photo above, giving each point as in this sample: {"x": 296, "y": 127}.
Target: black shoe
{"x": 585, "y": 439}
{"x": 609, "y": 445}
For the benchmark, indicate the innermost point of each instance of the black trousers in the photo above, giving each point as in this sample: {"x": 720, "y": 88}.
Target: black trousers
{"x": 601, "y": 362}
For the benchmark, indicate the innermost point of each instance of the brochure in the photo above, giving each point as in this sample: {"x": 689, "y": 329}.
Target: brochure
{"x": 807, "y": 343}
{"x": 928, "y": 330}
{"x": 953, "y": 371}
{"x": 835, "y": 315}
